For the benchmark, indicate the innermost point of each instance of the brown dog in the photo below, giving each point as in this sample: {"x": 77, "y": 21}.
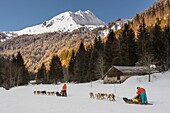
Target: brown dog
{"x": 111, "y": 97}
{"x": 37, "y": 92}
{"x": 98, "y": 96}
{"x": 91, "y": 95}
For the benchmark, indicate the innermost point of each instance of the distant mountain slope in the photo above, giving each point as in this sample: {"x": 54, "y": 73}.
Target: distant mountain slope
{"x": 67, "y": 21}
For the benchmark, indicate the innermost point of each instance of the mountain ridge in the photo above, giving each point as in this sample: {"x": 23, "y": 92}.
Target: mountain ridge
{"x": 64, "y": 22}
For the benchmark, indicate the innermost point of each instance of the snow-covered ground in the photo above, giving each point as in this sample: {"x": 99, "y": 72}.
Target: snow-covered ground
{"x": 22, "y": 100}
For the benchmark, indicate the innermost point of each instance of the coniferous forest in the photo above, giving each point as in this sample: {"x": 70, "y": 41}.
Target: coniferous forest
{"x": 151, "y": 43}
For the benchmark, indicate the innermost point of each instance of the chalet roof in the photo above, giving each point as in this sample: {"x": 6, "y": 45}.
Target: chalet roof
{"x": 127, "y": 70}
{"x": 130, "y": 69}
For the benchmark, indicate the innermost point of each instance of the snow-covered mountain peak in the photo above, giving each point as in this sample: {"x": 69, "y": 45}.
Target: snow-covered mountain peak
{"x": 86, "y": 18}
{"x": 67, "y": 21}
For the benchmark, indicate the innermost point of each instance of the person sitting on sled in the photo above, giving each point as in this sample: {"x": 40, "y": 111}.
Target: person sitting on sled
{"x": 136, "y": 99}
{"x": 64, "y": 90}
{"x": 142, "y": 93}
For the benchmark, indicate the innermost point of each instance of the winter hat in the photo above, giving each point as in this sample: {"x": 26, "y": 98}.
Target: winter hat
{"x": 137, "y": 87}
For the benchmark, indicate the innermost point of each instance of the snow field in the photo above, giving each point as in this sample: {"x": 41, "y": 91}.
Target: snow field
{"x": 22, "y": 99}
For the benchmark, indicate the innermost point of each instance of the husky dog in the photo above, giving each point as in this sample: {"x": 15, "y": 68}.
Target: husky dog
{"x": 91, "y": 95}
{"x": 111, "y": 97}
{"x": 98, "y": 96}
{"x": 103, "y": 95}
{"x": 43, "y": 92}
{"x": 50, "y": 93}
{"x": 37, "y": 92}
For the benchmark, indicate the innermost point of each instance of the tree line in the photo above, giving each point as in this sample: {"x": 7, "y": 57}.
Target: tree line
{"x": 152, "y": 46}
{"x": 13, "y": 71}
{"x": 53, "y": 75}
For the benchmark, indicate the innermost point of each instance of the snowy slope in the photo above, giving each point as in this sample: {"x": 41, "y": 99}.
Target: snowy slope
{"x": 120, "y": 23}
{"x": 63, "y": 22}
{"x": 117, "y": 25}
{"x": 4, "y": 36}
{"x": 22, "y": 99}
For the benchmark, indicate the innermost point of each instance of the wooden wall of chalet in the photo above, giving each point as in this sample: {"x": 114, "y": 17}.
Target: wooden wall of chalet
{"x": 112, "y": 80}
{"x": 116, "y": 75}
{"x": 113, "y": 76}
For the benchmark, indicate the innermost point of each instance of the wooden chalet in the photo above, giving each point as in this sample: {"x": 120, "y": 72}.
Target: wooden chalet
{"x": 118, "y": 74}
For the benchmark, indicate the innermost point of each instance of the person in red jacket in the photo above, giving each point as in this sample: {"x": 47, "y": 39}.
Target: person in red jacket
{"x": 142, "y": 93}
{"x": 64, "y": 90}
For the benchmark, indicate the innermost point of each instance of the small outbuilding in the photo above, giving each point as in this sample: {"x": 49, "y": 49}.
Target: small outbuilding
{"x": 118, "y": 74}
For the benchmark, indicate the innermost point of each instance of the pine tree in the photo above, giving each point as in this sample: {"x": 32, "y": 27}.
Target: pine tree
{"x": 71, "y": 67}
{"x": 124, "y": 56}
{"x": 42, "y": 74}
{"x": 87, "y": 62}
{"x": 19, "y": 60}
{"x": 56, "y": 70}
{"x": 99, "y": 61}
{"x": 23, "y": 76}
{"x": 142, "y": 40}
{"x": 80, "y": 64}
{"x": 127, "y": 47}
{"x": 110, "y": 51}
{"x": 92, "y": 74}
{"x": 132, "y": 48}
{"x": 92, "y": 66}
{"x": 159, "y": 46}
{"x": 167, "y": 42}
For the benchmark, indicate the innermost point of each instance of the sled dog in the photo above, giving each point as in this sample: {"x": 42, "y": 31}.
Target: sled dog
{"x": 111, "y": 97}
{"x": 91, "y": 95}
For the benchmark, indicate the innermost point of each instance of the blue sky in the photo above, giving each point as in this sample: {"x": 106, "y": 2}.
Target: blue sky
{"x": 18, "y": 14}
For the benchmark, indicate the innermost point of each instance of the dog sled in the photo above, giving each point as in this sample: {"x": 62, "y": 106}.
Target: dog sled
{"x": 44, "y": 92}
{"x": 133, "y": 101}
{"x": 62, "y": 94}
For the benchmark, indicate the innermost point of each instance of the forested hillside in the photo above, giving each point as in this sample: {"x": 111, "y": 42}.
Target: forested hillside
{"x": 158, "y": 12}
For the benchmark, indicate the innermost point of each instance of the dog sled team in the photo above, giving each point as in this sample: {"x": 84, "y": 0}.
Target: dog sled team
{"x": 62, "y": 93}
{"x": 102, "y": 96}
{"x": 140, "y": 98}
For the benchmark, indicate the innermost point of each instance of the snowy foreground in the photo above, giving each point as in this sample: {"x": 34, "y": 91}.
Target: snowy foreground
{"x": 22, "y": 99}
